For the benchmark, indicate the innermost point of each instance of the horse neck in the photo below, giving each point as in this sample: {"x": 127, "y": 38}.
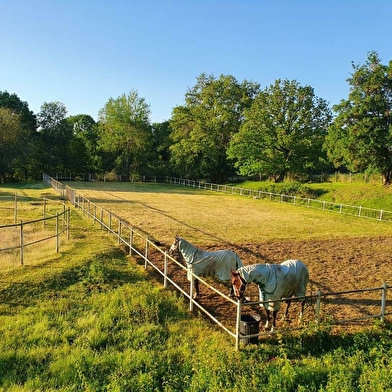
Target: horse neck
{"x": 187, "y": 250}
{"x": 261, "y": 274}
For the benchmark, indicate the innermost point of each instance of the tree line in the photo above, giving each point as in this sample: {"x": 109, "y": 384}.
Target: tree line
{"x": 225, "y": 127}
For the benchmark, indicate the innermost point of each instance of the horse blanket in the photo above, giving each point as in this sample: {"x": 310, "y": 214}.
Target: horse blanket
{"x": 205, "y": 263}
{"x": 277, "y": 281}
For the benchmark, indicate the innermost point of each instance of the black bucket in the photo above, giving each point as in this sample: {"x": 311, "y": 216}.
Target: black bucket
{"x": 249, "y": 326}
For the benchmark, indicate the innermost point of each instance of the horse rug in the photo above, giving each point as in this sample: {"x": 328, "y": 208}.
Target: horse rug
{"x": 277, "y": 281}
{"x": 205, "y": 263}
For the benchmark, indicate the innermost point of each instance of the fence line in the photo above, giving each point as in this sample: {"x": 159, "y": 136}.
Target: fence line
{"x": 139, "y": 244}
{"x": 62, "y": 217}
{"x": 341, "y": 208}
{"x": 359, "y": 211}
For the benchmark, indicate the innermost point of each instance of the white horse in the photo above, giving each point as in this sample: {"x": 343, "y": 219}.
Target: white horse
{"x": 275, "y": 281}
{"x": 204, "y": 263}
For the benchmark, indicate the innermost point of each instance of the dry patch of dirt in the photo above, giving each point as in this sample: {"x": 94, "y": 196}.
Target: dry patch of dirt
{"x": 335, "y": 265}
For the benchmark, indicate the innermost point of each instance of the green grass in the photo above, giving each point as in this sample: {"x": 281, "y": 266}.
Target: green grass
{"x": 357, "y": 193}
{"x": 92, "y": 319}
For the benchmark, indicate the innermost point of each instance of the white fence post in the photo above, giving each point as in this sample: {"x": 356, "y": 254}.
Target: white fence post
{"x": 191, "y": 287}
{"x": 130, "y": 242}
{"x": 165, "y": 271}
{"x": 146, "y": 254}
{"x": 238, "y": 326}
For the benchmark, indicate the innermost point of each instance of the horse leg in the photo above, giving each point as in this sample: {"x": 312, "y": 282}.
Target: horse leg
{"x": 301, "y": 312}
{"x": 274, "y": 313}
{"x": 286, "y": 311}
{"x": 196, "y": 288}
{"x": 267, "y": 323}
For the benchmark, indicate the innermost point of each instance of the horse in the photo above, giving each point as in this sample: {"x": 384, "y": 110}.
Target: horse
{"x": 275, "y": 281}
{"x": 204, "y": 263}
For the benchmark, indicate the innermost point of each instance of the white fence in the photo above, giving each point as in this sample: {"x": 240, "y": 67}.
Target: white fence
{"x": 140, "y": 245}
{"x": 359, "y": 211}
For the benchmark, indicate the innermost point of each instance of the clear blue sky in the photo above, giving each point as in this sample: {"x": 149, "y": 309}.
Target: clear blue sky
{"x": 82, "y": 52}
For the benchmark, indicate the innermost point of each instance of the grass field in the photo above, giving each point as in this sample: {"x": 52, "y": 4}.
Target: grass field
{"x": 91, "y": 319}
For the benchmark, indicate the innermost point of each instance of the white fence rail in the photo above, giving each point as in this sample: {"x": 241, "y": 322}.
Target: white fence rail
{"x": 359, "y": 211}
{"x": 139, "y": 244}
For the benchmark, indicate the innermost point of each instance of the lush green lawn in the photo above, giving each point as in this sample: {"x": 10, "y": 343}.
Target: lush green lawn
{"x": 92, "y": 319}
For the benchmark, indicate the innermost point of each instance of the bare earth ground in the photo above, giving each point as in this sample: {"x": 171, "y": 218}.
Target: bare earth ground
{"x": 335, "y": 265}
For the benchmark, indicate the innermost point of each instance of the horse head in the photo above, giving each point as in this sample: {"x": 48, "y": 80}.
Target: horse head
{"x": 174, "y": 249}
{"x": 238, "y": 284}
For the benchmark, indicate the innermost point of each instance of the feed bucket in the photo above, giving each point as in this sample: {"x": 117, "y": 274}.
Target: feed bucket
{"x": 249, "y": 326}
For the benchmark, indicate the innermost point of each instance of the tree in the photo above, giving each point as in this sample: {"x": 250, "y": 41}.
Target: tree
{"x": 125, "y": 131}
{"x": 283, "y": 132}
{"x": 11, "y": 134}
{"x": 204, "y": 126}
{"x": 84, "y": 146}
{"x": 161, "y": 143}
{"x": 360, "y": 137}
{"x": 22, "y": 154}
{"x": 56, "y": 137}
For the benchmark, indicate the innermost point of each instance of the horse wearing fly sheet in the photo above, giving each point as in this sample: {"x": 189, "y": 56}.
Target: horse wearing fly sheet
{"x": 275, "y": 281}
{"x": 204, "y": 263}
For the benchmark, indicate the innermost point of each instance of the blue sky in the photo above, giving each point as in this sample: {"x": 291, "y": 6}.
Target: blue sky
{"x": 83, "y": 52}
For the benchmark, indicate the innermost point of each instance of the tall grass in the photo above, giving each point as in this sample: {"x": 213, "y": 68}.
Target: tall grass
{"x": 92, "y": 319}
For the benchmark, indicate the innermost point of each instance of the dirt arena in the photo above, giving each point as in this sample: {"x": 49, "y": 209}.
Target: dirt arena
{"x": 335, "y": 265}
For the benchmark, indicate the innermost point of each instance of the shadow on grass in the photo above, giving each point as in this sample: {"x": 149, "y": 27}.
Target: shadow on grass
{"x": 48, "y": 280}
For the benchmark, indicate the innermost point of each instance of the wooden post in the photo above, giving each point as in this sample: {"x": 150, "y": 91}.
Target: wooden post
{"x": 68, "y": 222}
{"x": 16, "y": 208}
{"x": 57, "y": 233}
{"x": 238, "y": 326}
{"x": 318, "y": 305}
{"x": 119, "y": 232}
{"x": 44, "y": 212}
{"x": 21, "y": 243}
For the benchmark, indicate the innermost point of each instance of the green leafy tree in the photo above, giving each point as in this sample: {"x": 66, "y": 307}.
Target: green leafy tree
{"x": 283, "y": 132}
{"x": 84, "y": 145}
{"x": 125, "y": 132}
{"x": 160, "y": 160}
{"x": 56, "y": 137}
{"x": 360, "y": 137}
{"x": 20, "y": 157}
{"x": 203, "y": 127}
{"x": 11, "y": 133}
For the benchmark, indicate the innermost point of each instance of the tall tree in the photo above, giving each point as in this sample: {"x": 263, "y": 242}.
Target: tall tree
{"x": 283, "y": 132}
{"x": 360, "y": 137}
{"x": 84, "y": 146}
{"x": 56, "y": 136}
{"x": 160, "y": 148}
{"x": 125, "y": 131}
{"x": 204, "y": 126}
{"x": 21, "y": 161}
{"x": 11, "y": 134}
